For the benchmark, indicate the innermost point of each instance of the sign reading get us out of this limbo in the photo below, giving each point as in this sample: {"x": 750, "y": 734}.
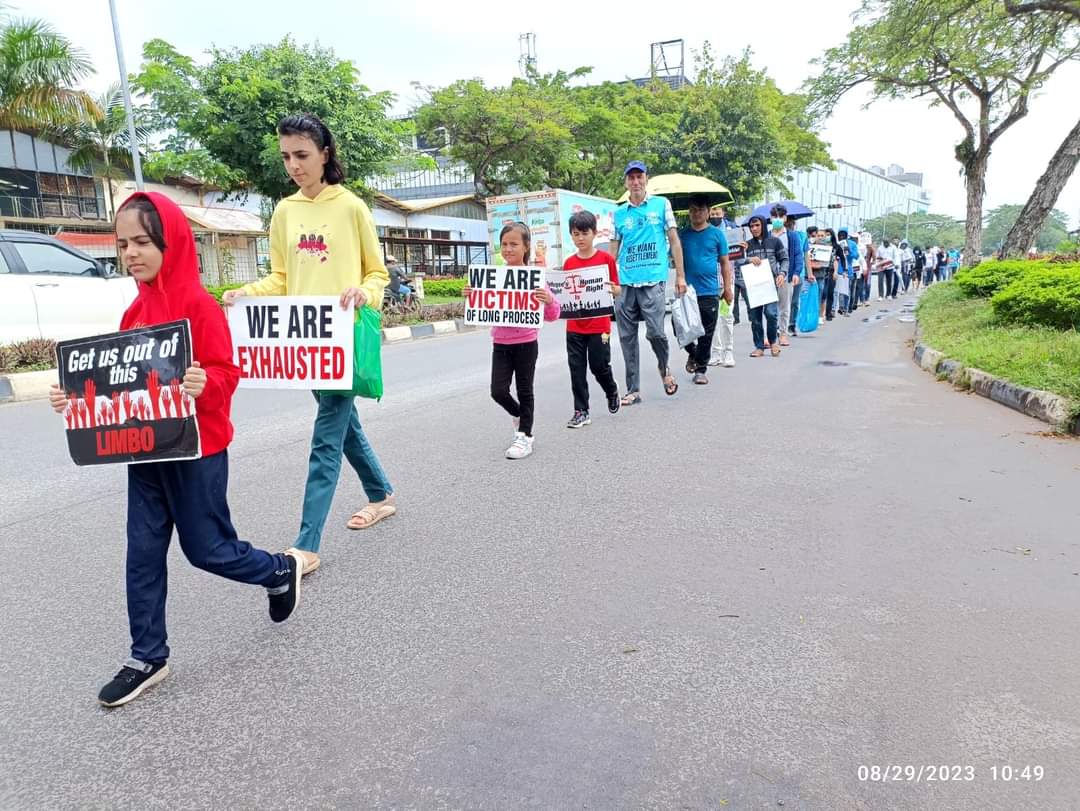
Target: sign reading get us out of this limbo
{"x": 292, "y": 342}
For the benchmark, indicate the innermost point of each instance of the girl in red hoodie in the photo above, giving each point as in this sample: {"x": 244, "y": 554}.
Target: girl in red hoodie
{"x": 158, "y": 249}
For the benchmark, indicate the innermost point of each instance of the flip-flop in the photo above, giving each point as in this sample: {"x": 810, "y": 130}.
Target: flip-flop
{"x": 630, "y": 398}
{"x": 757, "y": 353}
{"x": 370, "y": 515}
{"x": 670, "y": 387}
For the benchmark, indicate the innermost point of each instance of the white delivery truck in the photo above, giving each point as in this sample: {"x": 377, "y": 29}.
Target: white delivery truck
{"x": 547, "y": 213}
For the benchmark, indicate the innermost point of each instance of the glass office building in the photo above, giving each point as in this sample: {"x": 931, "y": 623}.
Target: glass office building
{"x": 863, "y": 193}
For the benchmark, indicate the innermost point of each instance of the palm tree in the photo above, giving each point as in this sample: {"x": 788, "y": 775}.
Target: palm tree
{"x": 38, "y": 72}
{"x": 99, "y": 143}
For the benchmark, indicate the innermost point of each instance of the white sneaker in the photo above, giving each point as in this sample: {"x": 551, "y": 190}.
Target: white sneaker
{"x": 715, "y": 360}
{"x": 729, "y": 359}
{"x": 879, "y": 298}
{"x": 520, "y": 447}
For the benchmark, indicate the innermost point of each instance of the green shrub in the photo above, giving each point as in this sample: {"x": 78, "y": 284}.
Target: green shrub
{"x": 1046, "y": 297}
{"x": 444, "y": 287}
{"x": 28, "y": 356}
{"x": 986, "y": 278}
{"x": 216, "y": 291}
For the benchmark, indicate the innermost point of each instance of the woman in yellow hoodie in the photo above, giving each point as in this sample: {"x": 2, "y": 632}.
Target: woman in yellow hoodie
{"x": 322, "y": 243}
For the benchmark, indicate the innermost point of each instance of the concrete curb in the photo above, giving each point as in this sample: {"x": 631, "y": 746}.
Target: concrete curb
{"x": 16, "y": 388}
{"x": 415, "y": 332}
{"x": 1042, "y": 405}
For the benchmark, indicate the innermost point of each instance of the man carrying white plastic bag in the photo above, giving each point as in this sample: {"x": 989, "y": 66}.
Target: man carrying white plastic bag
{"x": 705, "y": 252}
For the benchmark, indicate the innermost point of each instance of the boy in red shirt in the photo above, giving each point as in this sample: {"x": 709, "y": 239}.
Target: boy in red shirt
{"x": 588, "y": 340}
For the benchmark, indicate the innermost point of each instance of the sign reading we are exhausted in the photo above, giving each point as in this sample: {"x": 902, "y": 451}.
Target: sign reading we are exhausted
{"x": 292, "y": 342}
{"x": 503, "y": 297}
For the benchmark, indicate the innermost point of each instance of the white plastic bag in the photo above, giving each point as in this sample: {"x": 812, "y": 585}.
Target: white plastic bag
{"x": 686, "y": 318}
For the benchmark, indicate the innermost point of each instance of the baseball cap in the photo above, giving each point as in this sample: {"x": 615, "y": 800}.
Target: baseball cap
{"x": 638, "y": 165}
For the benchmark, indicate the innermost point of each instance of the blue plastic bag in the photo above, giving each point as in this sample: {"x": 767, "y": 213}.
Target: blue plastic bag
{"x": 809, "y": 307}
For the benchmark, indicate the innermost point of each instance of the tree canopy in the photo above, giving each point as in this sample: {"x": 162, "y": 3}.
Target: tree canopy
{"x": 220, "y": 118}
{"x": 971, "y": 56}
{"x": 918, "y": 228}
{"x": 39, "y": 71}
{"x": 732, "y": 124}
{"x": 1000, "y": 220}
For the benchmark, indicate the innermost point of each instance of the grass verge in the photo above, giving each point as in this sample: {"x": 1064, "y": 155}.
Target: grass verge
{"x": 965, "y": 329}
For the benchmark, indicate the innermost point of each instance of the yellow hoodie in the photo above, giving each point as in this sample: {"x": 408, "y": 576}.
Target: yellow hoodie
{"x": 321, "y": 247}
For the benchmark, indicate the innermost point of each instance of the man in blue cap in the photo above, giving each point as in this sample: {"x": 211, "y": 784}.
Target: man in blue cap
{"x": 645, "y": 233}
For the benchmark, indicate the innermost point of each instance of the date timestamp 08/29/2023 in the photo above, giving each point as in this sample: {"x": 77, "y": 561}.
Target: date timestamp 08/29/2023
{"x": 944, "y": 773}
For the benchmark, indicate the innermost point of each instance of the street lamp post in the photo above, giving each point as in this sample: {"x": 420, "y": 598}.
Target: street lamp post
{"x": 136, "y": 161}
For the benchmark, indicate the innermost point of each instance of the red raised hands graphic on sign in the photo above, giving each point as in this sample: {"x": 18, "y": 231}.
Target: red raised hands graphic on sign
{"x": 154, "y": 388}
{"x": 116, "y": 406}
{"x": 174, "y": 389}
{"x": 73, "y": 409}
{"x": 90, "y": 395}
{"x": 166, "y": 399}
{"x": 84, "y": 422}
{"x": 128, "y": 411}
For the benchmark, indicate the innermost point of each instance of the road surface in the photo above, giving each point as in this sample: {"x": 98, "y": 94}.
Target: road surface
{"x": 757, "y": 593}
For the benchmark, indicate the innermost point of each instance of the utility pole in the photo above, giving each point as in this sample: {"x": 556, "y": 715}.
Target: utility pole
{"x": 136, "y": 161}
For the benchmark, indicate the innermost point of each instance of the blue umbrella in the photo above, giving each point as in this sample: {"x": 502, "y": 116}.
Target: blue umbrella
{"x": 794, "y": 209}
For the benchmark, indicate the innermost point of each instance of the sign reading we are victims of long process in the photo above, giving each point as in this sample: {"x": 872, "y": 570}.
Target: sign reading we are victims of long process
{"x": 126, "y": 401}
{"x": 502, "y": 296}
{"x": 292, "y": 342}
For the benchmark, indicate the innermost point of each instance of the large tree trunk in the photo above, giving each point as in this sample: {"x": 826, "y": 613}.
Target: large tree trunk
{"x": 1038, "y": 207}
{"x": 975, "y": 178}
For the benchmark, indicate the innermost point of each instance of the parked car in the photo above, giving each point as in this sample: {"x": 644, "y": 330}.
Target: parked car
{"x": 51, "y": 290}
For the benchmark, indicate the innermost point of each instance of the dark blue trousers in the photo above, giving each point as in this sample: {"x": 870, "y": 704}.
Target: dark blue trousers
{"x": 190, "y": 496}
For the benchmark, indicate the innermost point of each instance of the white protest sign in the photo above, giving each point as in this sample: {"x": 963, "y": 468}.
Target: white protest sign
{"x": 292, "y": 342}
{"x": 760, "y": 283}
{"x": 502, "y": 296}
{"x": 821, "y": 253}
{"x": 582, "y": 292}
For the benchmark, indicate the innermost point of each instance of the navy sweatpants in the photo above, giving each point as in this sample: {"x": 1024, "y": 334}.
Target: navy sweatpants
{"x": 189, "y": 495}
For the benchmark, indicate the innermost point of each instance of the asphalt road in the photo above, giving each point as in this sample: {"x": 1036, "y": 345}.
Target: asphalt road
{"x": 731, "y": 598}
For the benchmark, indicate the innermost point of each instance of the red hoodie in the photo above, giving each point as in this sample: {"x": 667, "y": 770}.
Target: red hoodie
{"x": 177, "y": 293}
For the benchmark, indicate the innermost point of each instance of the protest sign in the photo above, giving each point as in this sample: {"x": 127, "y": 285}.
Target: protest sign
{"x": 760, "y": 283}
{"x": 125, "y": 397}
{"x": 292, "y": 342}
{"x": 821, "y": 253}
{"x": 734, "y": 237}
{"x": 583, "y": 292}
{"x": 503, "y": 297}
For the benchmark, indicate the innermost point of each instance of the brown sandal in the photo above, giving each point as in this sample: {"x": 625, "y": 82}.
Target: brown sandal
{"x": 311, "y": 560}
{"x": 757, "y": 353}
{"x": 371, "y": 514}
{"x": 775, "y": 351}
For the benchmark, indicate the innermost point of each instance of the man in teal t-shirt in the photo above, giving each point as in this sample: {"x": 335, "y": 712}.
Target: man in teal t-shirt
{"x": 644, "y": 234}
{"x": 705, "y": 252}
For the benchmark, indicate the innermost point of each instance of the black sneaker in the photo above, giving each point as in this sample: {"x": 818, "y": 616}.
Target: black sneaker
{"x": 579, "y": 420}
{"x": 613, "y": 403}
{"x": 134, "y": 677}
{"x": 285, "y": 598}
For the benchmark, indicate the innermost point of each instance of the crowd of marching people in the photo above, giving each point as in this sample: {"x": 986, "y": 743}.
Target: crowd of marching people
{"x": 157, "y": 247}
{"x": 819, "y": 274}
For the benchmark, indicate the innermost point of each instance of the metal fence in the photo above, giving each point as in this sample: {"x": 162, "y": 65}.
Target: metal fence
{"x": 435, "y": 257}
{"x": 47, "y": 205}
{"x": 224, "y": 258}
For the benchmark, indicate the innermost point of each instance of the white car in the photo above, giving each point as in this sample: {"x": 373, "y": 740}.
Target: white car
{"x": 51, "y": 290}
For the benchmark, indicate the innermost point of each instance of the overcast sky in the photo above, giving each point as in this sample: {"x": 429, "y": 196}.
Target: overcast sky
{"x": 434, "y": 43}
